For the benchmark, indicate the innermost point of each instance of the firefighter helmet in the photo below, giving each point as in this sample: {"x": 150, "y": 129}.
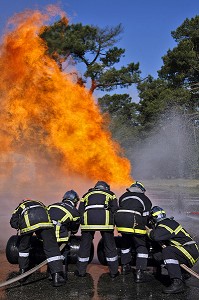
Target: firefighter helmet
{"x": 72, "y": 196}
{"x": 138, "y": 185}
{"x": 102, "y": 185}
{"x": 157, "y": 214}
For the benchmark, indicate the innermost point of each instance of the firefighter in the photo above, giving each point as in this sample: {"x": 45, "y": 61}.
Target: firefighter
{"x": 66, "y": 220}
{"x": 178, "y": 247}
{"x": 130, "y": 221}
{"x": 97, "y": 207}
{"x": 30, "y": 217}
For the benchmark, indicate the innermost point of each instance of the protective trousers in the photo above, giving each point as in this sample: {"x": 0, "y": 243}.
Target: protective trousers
{"x": 109, "y": 249}
{"x": 137, "y": 241}
{"x": 173, "y": 258}
{"x": 50, "y": 247}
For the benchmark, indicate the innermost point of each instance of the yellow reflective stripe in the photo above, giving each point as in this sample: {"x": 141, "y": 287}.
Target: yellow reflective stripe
{"x": 107, "y": 217}
{"x": 158, "y": 212}
{"x": 65, "y": 239}
{"x": 76, "y": 218}
{"x": 49, "y": 219}
{"x": 97, "y": 227}
{"x": 27, "y": 219}
{"x": 132, "y": 230}
{"x": 86, "y": 218}
{"x": 175, "y": 243}
{"x": 57, "y": 231}
{"x": 36, "y": 226}
{"x": 178, "y": 229}
{"x": 67, "y": 215}
{"x": 186, "y": 253}
{"x": 166, "y": 227}
{"x": 108, "y": 196}
{"x": 186, "y": 233}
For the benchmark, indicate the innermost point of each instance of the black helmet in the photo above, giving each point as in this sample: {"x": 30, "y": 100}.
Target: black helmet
{"x": 72, "y": 196}
{"x": 157, "y": 214}
{"x": 102, "y": 185}
{"x": 138, "y": 185}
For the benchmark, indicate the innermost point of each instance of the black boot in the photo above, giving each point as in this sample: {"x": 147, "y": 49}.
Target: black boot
{"x": 22, "y": 271}
{"x": 58, "y": 279}
{"x": 139, "y": 276}
{"x": 126, "y": 269}
{"x": 177, "y": 286}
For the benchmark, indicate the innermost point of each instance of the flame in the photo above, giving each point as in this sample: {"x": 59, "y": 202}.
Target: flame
{"x": 44, "y": 115}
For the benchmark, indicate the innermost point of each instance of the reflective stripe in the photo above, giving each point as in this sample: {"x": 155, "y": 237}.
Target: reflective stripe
{"x": 134, "y": 197}
{"x": 112, "y": 258}
{"x": 85, "y": 219}
{"x": 187, "y": 254}
{"x": 64, "y": 239}
{"x": 36, "y": 226}
{"x": 107, "y": 218}
{"x": 83, "y": 259}
{"x": 54, "y": 258}
{"x": 108, "y": 196}
{"x": 22, "y": 254}
{"x": 178, "y": 229}
{"x": 94, "y": 206}
{"x": 130, "y": 211}
{"x": 29, "y": 207}
{"x": 189, "y": 243}
{"x": 171, "y": 261}
{"x": 97, "y": 226}
{"x": 142, "y": 255}
{"x": 146, "y": 213}
{"x": 166, "y": 227}
{"x": 131, "y": 230}
{"x": 124, "y": 251}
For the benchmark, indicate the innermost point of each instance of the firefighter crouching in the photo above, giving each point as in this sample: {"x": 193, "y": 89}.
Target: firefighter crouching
{"x": 178, "y": 248}
{"x": 130, "y": 221}
{"x": 66, "y": 220}
{"x": 97, "y": 207}
{"x": 31, "y": 216}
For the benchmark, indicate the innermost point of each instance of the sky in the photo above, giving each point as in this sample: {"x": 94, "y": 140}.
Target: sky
{"x": 147, "y": 25}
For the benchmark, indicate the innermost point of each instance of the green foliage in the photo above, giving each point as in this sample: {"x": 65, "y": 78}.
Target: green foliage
{"x": 157, "y": 99}
{"x": 119, "y": 106}
{"x": 95, "y": 48}
{"x": 181, "y": 65}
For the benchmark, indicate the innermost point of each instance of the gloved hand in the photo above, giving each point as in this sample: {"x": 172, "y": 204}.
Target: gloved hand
{"x": 148, "y": 230}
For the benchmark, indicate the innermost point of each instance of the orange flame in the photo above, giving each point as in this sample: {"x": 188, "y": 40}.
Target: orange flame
{"x": 44, "y": 114}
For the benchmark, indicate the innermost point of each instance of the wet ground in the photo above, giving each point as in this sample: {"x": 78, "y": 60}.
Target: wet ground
{"x": 98, "y": 285}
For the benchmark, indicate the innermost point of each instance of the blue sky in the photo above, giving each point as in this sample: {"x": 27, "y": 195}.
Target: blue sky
{"x": 147, "y": 24}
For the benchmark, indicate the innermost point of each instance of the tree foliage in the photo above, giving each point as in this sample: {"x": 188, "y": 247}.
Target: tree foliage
{"x": 95, "y": 48}
{"x": 181, "y": 65}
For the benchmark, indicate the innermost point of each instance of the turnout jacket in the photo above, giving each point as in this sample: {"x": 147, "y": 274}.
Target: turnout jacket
{"x": 66, "y": 219}
{"x": 97, "y": 208}
{"x": 29, "y": 216}
{"x": 173, "y": 234}
{"x": 133, "y": 213}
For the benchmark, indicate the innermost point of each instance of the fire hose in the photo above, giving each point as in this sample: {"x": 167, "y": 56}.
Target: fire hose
{"x": 29, "y": 272}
